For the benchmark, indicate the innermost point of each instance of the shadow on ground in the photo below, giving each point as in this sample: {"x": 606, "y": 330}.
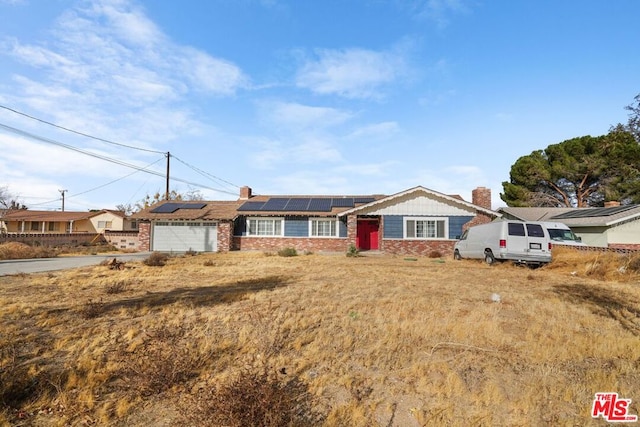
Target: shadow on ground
{"x": 622, "y": 307}
{"x": 196, "y": 296}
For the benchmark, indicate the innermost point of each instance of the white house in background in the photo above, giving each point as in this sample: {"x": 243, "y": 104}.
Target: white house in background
{"x": 613, "y": 226}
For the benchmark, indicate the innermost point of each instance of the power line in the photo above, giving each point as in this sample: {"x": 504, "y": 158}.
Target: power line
{"x": 111, "y": 182}
{"x": 204, "y": 173}
{"x": 105, "y": 158}
{"x": 70, "y": 147}
{"x": 77, "y": 132}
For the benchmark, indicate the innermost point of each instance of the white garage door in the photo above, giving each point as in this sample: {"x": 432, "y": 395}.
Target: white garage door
{"x": 185, "y": 236}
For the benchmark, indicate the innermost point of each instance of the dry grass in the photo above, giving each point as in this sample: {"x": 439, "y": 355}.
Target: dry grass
{"x": 17, "y": 250}
{"x": 358, "y": 341}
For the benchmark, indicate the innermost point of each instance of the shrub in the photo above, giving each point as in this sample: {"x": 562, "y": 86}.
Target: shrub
{"x": 435, "y": 254}
{"x": 191, "y": 252}
{"x": 19, "y": 382}
{"x": 156, "y": 259}
{"x": 287, "y": 252}
{"x": 92, "y": 309}
{"x": 16, "y": 250}
{"x": 208, "y": 263}
{"x": 353, "y": 251}
{"x": 259, "y": 399}
{"x": 634, "y": 263}
{"x": 166, "y": 358}
{"x": 117, "y": 287}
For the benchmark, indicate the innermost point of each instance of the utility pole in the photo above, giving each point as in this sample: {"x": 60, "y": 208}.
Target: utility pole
{"x": 166, "y": 194}
{"x": 62, "y": 192}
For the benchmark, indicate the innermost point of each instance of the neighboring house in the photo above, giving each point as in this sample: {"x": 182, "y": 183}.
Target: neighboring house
{"x": 54, "y": 228}
{"x": 417, "y": 221}
{"x": 26, "y": 221}
{"x": 612, "y": 226}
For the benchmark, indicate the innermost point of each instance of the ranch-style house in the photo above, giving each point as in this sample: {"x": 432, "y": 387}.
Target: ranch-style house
{"x": 417, "y": 221}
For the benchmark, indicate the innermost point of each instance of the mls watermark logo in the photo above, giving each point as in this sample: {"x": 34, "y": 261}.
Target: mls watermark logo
{"x": 612, "y": 408}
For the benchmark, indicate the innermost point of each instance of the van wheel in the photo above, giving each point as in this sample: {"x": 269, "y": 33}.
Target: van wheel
{"x": 456, "y": 256}
{"x": 489, "y": 258}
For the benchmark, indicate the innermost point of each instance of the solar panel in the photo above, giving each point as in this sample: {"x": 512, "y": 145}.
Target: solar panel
{"x": 320, "y": 205}
{"x": 364, "y": 199}
{"x": 593, "y": 212}
{"x": 275, "y": 204}
{"x": 298, "y": 204}
{"x": 251, "y": 206}
{"x": 192, "y": 206}
{"x": 166, "y": 208}
{"x": 342, "y": 202}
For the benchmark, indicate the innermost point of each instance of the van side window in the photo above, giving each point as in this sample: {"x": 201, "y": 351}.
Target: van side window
{"x": 464, "y": 235}
{"x": 516, "y": 229}
{"x": 535, "y": 230}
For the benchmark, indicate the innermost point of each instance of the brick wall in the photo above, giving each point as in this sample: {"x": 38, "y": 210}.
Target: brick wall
{"x": 481, "y": 196}
{"x": 225, "y": 241}
{"x": 301, "y": 244}
{"x": 144, "y": 236}
{"x": 352, "y": 229}
{"x": 418, "y": 247}
{"x": 122, "y": 239}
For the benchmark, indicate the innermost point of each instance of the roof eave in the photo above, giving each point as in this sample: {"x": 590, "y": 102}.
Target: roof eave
{"x": 451, "y": 199}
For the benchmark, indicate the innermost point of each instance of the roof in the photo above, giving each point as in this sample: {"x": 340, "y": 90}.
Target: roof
{"x": 454, "y": 200}
{"x": 578, "y": 217}
{"x": 303, "y": 205}
{"x": 199, "y": 210}
{"x": 52, "y": 216}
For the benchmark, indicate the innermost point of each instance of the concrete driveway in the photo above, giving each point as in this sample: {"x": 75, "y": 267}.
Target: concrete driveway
{"x": 39, "y": 265}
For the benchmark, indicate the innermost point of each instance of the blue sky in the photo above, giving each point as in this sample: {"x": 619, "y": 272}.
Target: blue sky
{"x": 301, "y": 96}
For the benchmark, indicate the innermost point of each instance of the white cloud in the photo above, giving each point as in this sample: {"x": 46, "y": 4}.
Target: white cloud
{"x": 351, "y": 73}
{"x": 127, "y": 22}
{"x": 211, "y": 74}
{"x": 376, "y": 130}
{"x": 296, "y": 116}
{"x": 107, "y": 55}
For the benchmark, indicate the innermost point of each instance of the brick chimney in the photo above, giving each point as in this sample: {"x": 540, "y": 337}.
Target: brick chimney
{"x": 245, "y": 193}
{"x": 481, "y": 196}
{"x": 611, "y": 204}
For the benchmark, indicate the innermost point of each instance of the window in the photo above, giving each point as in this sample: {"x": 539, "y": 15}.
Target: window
{"x": 104, "y": 224}
{"x": 323, "y": 228}
{"x": 264, "y": 227}
{"x": 516, "y": 229}
{"x": 35, "y": 226}
{"x": 426, "y": 228}
{"x": 134, "y": 225}
{"x": 53, "y": 226}
{"x": 535, "y": 230}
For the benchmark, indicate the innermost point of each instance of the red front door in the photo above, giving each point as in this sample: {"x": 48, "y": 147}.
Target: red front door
{"x": 367, "y": 236}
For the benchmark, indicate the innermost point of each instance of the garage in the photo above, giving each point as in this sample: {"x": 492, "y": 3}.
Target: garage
{"x": 183, "y": 236}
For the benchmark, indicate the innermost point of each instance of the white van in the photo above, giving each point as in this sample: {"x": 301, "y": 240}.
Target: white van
{"x": 561, "y": 234}
{"x": 505, "y": 240}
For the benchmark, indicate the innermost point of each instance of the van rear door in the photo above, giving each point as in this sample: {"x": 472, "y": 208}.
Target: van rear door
{"x": 537, "y": 242}
{"x": 517, "y": 242}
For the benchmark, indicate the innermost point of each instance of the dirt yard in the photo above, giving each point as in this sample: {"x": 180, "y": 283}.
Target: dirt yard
{"x": 250, "y": 338}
